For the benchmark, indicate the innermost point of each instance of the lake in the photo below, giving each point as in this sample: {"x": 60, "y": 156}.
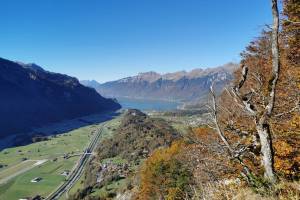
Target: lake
{"x": 146, "y": 105}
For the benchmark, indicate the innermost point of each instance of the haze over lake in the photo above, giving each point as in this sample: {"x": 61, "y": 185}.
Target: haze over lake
{"x": 146, "y": 105}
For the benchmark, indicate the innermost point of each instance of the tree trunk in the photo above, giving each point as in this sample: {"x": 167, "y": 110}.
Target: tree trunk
{"x": 262, "y": 124}
{"x": 266, "y": 151}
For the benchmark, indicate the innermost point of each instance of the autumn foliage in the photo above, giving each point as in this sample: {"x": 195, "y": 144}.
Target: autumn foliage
{"x": 164, "y": 175}
{"x": 168, "y": 172}
{"x": 210, "y": 159}
{"x": 285, "y": 120}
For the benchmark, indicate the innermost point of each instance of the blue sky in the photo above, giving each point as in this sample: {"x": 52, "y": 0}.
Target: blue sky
{"x": 110, "y": 39}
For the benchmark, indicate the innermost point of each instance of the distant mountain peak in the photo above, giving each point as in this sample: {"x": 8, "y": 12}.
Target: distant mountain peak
{"x": 90, "y": 83}
{"x": 176, "y": 86}
{"x": 153, "y": 76}
{"x": 148, "y": 76}
{"x": 150, "y": 73}
{"x": 174, "y": 76}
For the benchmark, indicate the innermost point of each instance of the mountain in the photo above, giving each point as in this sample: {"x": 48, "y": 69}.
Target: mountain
{"x": 90, "y": 83}
{"x": 178, "y": 86}
{"x": 32, "y": 97}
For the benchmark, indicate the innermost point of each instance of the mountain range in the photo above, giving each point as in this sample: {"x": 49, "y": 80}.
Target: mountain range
{"x": 32, "y": 97}
{"x": 178, "y": 86}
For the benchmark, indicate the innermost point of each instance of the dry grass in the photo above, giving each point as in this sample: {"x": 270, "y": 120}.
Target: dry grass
{"x": 217, "y": 191}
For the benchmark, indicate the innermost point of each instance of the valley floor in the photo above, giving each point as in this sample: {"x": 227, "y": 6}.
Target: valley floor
{"x": 49, "y": 160}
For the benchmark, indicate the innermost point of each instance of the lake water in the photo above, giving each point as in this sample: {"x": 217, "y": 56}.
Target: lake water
{"x": 146, "y": 105}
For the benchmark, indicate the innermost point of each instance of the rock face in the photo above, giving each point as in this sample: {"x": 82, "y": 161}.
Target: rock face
{"x": 31, "y": 97}
{"x": 178, "y": 86}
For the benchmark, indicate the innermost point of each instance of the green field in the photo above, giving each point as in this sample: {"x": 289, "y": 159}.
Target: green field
{"x": 21, "y": 186}
{"x": 16, "y": 168}
{"x": 73, "y": 142}
{"x": 104, "y": 191}
{"x": 108, "y": 131}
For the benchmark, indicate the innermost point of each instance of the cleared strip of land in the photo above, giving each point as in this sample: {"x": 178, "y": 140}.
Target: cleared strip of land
{"x": 18, "y": 169}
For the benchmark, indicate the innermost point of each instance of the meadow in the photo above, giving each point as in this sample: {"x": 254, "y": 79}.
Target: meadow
{"x": 52, "y": 150}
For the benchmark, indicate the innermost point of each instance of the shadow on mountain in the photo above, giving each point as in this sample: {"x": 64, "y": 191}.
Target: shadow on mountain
{"x": 41, "y": 133}
{"x": 33, "y": 97}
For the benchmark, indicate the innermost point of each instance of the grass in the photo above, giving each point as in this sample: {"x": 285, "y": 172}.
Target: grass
{"x": 19, "y": 187}
{"x": 111, "y": 188}
{"x": 114, "y": 160}
{"x": 179, "y": 123}
{"x": 284, "y": 190}
{"x": 109, "y": 128}
{"x": 73, "y": 141}
{"x": 14, "y": 169}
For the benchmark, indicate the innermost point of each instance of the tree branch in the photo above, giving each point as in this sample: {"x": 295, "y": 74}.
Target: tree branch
{"x": 293, "y": 22}
{"x": 275, "y": 59}
{"x": 215, "y": 118}
{"x": 236, "y": 91}
{"x": 297, "y": 106}
{"x": 234, "y": 154}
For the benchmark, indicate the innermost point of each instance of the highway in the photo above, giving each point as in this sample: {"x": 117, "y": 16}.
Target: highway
{"x": 78, "y": 169}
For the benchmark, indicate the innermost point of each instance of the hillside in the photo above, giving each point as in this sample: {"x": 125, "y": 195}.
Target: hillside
{"x": 177, "y": 86}
{"x": 32, "y": 97}
{"x": 137, "y": 136}
{"x": 120, "y": 154}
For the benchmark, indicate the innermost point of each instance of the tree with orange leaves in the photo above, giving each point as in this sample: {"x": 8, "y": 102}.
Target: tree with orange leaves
{"x": 264, "y": 100}
{"x": 164, "y": 176}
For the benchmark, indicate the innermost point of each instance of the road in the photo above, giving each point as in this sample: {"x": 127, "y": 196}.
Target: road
{"x": 78, "y": 169}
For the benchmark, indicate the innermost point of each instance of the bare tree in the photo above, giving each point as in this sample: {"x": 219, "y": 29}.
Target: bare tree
{"x": 235, "y": 153}
{"x": 261, "y": 117}
{"x": 262, "y": 124}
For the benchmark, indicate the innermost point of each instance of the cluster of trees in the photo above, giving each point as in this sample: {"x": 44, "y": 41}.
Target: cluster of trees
{"x": 254, "y": 129}
{"x": 137, "y": 136}
{"x": 164, "y": 175}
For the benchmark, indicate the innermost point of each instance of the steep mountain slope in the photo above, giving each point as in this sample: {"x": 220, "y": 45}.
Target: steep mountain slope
{"x": 31, "y": 96}
{"x": 178, "y": 86}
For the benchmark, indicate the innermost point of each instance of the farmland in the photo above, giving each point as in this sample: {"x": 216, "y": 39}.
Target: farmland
{"x": 55, "y": 151}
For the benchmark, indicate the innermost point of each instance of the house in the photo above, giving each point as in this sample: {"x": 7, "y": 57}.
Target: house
{"x": 36, "y": 180}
